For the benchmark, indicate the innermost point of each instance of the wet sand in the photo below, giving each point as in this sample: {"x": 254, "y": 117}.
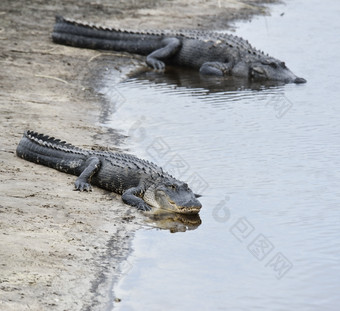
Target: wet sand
{"x": 61, "y": 249}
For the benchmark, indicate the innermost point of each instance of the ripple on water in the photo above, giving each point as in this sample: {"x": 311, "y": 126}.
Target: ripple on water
{"x": 268, "y": 157}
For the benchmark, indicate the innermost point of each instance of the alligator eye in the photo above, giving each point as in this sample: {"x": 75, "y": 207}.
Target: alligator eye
{"x": 273, "y": 65}
{"x": 283, "y": 64}
{"x": 172, "y": 187}
{"x": 258, "y": 70}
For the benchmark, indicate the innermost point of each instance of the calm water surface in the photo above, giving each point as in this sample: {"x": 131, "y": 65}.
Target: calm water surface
{"x": 266, "y": 160}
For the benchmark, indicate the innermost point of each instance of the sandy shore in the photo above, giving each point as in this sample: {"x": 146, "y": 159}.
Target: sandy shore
{"x": 60, "y": 249}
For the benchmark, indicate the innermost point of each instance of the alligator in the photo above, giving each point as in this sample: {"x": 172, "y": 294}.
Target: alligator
{"x": 212, "y": 53}
{"x": 141, "y": 183}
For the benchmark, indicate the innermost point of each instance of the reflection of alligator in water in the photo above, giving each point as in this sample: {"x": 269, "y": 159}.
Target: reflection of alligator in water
{"x": 141, "y": 183}
{"x": 190, "y": 79}
{"x": 211, "y": 52}
{"x": 174, "y": 222}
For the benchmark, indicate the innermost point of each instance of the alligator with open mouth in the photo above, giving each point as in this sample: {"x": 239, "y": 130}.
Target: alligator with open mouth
{"x": 142, "y": 184}
{"x": 213, "y": 53}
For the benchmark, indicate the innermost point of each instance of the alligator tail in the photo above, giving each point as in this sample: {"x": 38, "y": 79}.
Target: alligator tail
{"x": 83, "y": 35}
{"x": 51, "y": 152}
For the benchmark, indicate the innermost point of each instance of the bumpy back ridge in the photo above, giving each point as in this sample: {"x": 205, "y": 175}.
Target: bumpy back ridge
{"x": 51, "y": 142}
{"x": 91, "y": 26}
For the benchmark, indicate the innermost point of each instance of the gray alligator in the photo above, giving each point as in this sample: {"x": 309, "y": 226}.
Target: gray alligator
{"x": 211, "y": 52}
{"x": 141, "y": 183}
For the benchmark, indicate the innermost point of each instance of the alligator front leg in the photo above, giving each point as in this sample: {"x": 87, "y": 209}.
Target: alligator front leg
{"x": 171, "y": 47}
{"x": 82, "y": 183}
{"x": 130, "y": 197}
{"x": 216, "y": 68}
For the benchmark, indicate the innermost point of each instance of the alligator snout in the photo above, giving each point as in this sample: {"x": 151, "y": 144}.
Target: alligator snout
{"x": 193, "y": 206}
{"x": 300, "y": 80}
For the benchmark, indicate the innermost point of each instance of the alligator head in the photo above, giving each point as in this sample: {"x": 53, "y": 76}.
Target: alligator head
{"x": 266, "y": 70}
{"x": 174, "y": 196}
{"x": 273, "y": 70}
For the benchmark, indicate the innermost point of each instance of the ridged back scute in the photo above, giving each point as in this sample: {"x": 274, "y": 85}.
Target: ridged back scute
{"x": 93, "y": 30}
{"x": 125, "y": 160}
{"x": 52, "y": 143}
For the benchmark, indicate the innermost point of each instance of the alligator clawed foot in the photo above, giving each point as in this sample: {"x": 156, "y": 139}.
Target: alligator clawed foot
{"x": 82, "y": 186}
{"x": 155, "y": 63}
{"x": 143, "y": 207}
{"x": 158, "y": 65}
{"x": 215, "y": 69}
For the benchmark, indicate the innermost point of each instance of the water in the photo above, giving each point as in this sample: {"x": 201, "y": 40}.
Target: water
{"x": 266, "y": 160}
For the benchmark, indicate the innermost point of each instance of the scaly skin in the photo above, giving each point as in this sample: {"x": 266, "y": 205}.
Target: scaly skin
{"x": 210, "y": 52}
{"x": 142, "y": 184}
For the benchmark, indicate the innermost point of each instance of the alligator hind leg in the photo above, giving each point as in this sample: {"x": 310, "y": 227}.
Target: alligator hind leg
{"x": 130, "y": 197}
{"x": 215, "y": 68}
{"x": 82, "y": 183}
{"x": 171, "y": 47}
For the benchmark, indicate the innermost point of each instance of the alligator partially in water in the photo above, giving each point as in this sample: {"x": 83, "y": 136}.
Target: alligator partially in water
{"x": 142, "y": 184}
{"x": 211, "y": 52}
